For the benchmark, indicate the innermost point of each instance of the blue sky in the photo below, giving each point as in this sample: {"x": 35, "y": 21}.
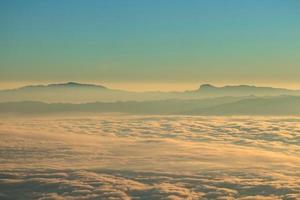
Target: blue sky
{"x": 150, "y": 42}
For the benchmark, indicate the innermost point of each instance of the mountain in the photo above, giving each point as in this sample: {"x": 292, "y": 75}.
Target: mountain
{"x": 70, "y": 92}
{"x": 61, "y": 85}
{"x": 244, "y": 90}
{"x": 171, "y": 106}
{"x": 279, "y": 105}
{"x": 73, "y": 92}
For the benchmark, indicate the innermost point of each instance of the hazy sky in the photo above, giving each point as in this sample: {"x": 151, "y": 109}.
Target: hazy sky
{"x": 143, "y": 44}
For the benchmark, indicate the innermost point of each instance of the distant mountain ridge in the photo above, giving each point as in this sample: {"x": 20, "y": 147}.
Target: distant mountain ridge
{"x": 230, "y": 87}
{"x": 222, "y": 106}
{"x": 245, "y": 90}
{"x": 73, "y": 92}
{"x": 279, "y": 105}
{"x": 57, "y": 85}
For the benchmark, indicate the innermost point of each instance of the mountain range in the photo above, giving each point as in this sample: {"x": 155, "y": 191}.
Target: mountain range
{"x": 280, "y": 105}
{"x": 73, "y": 92}
{"x": 74, "y": 97}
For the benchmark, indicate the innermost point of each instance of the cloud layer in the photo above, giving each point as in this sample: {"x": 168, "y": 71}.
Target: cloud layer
{"x": 152, "y": 157}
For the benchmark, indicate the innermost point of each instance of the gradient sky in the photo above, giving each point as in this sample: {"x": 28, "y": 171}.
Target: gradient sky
{"x": 141, "y": 44}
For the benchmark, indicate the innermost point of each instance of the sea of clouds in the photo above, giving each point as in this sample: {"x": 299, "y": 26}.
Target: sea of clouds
{"x": 149, "y": 157}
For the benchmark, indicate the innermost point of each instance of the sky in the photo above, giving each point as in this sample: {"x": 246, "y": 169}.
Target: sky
{"x": 150, "y": 44}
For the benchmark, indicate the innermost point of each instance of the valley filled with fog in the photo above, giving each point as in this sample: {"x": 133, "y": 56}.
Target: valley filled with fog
{"x": 154, "y": 157}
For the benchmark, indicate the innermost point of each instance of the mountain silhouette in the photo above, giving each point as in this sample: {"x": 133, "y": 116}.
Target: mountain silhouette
{"x": 73, "y": 92}
{"x": 280, "y": 105}
{"x": 63, "y": 85}
{"x": 241, "y": 90}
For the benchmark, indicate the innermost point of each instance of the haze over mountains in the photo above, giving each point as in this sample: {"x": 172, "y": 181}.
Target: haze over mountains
{"x": 73, "y": 92}
{"x": 207, "y": 100}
